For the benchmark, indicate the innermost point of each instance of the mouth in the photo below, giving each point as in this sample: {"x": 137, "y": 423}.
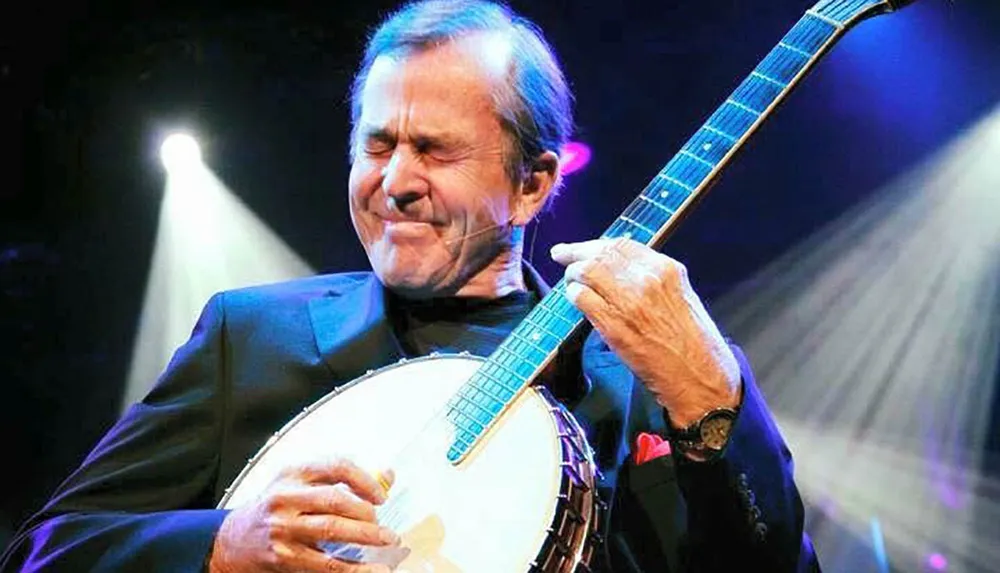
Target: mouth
{"x": 405, "y": 228}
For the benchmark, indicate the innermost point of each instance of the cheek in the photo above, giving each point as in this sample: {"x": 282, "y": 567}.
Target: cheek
{"x": 361, "y": 186}
{"x": 474, "y": 205}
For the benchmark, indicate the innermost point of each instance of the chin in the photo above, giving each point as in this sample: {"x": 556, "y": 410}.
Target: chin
{"x": 411, "y": 281}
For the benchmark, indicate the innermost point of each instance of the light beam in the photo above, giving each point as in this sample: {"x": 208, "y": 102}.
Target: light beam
{"x": 877, "y": 342}
{"x": 207, "y": 241}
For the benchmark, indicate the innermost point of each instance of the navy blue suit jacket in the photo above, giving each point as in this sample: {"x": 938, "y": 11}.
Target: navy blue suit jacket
{"x": 144, "y": 499}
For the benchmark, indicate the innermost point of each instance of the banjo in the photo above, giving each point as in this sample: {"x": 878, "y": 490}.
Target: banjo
{"x": 492, "y": 474}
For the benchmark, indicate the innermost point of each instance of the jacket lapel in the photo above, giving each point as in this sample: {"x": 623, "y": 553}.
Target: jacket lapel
{"x": 352, "y": 329}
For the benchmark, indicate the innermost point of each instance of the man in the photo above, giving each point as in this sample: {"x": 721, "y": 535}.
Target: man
{"x": 458, "y": 111}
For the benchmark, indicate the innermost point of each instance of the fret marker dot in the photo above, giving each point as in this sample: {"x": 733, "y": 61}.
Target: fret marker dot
{"x": 627, "y": 234}
{"x": 663, "y": 194}
{"x": 707, "y": 146}
{"x": 536, "y": 335}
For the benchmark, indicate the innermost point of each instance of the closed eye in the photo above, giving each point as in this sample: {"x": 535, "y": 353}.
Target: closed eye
{"x": 438, "y": 149}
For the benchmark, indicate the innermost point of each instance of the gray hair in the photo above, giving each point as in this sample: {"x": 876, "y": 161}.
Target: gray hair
{"x": 534, "y": 105}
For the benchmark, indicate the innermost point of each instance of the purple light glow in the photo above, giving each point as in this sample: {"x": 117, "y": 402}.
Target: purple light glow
{"x": 937, "y": 562}
{"x": 574, "y": 157}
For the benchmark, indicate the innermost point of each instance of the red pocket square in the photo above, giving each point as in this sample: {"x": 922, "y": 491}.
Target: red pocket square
{"x": 649, "y": 447}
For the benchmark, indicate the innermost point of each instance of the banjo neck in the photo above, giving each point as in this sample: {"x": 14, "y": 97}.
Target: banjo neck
{"x": 653, "y": 215}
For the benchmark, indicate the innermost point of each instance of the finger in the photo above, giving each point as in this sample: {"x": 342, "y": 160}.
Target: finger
{"x": 568, "y": 253}
{"x": 310, "y": 559}
{"x": 588, "y": 301}
{"x": 344, "y": 471}
{"x": 313, "y": 529}
{"x": 593, "y": 273}
{"x": 329, "y": 500}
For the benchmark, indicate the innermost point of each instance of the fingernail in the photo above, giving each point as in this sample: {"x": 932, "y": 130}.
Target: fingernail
{"x": 557, "y": 249}
{"x": 388, "y": 536}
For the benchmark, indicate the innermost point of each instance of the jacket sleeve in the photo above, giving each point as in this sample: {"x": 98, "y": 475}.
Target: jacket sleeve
{"x": 140, "y": 501}
{"x": 743, "y": 510}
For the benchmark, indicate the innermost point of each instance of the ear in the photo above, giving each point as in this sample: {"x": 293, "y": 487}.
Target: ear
{"x": 536, "y": 187}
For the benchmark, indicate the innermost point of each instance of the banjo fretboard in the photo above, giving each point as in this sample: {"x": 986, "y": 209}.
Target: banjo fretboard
{"x": 654, "y": 213}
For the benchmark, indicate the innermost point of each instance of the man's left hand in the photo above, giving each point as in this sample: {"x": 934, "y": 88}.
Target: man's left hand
{"x": 642, "y": 303}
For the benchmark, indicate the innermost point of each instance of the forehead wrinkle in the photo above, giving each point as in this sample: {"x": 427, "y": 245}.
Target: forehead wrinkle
{"x": 389, "y": 98}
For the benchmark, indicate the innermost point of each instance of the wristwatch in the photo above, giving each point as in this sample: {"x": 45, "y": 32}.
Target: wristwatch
{"x": 708, "y": 436}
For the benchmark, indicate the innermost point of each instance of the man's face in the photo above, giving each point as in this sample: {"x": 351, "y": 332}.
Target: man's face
{"x": 429, "y": 196}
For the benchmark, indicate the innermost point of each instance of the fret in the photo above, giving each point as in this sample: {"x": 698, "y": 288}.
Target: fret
{"x": 515, "y": 334}
{"x": 539, "y": 328}
{"x": 769, "y": 79}
{"x": 485, "y": 372}
{"x": 459, "y": 404}
{"x": 732, "y": 118}
{"x": 847, "y": 11}
{"x": 743, "y": 107}
{"x": 696, "y": 158}
{"x": 827, "y": 19}
{"x": 492, "y": 389}
{"x": 550, "y": 321}
{"x": 802, "y": 53}
{"x": 757, "y": 94}
{"x": 494, "y": 371}
{"x": 656, "y": 204}
{"x": 456, "y": 413}
{"x": 482, "y": 400}
{"x": 564, "y": 319}
{"x": 693, "y": 173}
{"x": 731, "y": 138}
{"x": 510, "y": 362}
{"x": 709, "y": 145}
{"x": 463, "y": 437}
{"x": 497, "y": 381}
{"x": 631, "y": 231}
{"x": 489, "y": 393}
{"x": 783, "y": 65}
{"x": 688, "y": 172}
{"x": 519, "y": 348}
{"x": 555, "y": 319}
{"x": 615, "y": 232}
{"x": 555, "y": 302}
{"x": 480, "y": 407}
{"x": 810, "y": 35}
{"x": 477, "y": 426}
{"x": 647, "y": 214}
{"x": 670, "y": 179}
{"x": 673, "y": 197}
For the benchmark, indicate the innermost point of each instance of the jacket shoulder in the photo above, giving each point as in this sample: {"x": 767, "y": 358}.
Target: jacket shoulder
{"x": 291, "y": 293}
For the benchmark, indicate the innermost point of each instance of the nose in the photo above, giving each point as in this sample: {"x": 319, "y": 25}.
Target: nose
{"x": 403, "y": 179}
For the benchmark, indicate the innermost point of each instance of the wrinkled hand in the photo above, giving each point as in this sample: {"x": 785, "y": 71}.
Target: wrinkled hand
{"x": 642, "y": 303}
{"x": 303, "y": 507}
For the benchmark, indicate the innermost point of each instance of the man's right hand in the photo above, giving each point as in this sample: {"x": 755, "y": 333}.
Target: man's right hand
{"x": 305, "y": 506}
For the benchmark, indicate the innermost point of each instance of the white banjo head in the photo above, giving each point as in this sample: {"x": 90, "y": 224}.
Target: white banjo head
{"x": 490, "y": 513}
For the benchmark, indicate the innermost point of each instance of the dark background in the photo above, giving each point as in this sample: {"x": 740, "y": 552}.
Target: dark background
{"x": 86, "y": 92}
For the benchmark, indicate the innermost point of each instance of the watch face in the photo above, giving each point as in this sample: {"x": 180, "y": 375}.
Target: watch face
{"x": 715, "y": 431}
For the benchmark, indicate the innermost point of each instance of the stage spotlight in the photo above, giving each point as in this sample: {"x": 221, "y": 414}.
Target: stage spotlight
{"x": 180, "y": 152}
{"x": 207, "y": 241}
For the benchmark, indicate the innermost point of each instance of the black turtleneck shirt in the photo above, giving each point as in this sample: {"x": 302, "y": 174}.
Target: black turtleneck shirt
{"x": 456, "y": 324}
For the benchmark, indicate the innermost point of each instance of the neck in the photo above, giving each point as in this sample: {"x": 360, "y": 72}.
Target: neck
{"x": 502, "y": 275}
